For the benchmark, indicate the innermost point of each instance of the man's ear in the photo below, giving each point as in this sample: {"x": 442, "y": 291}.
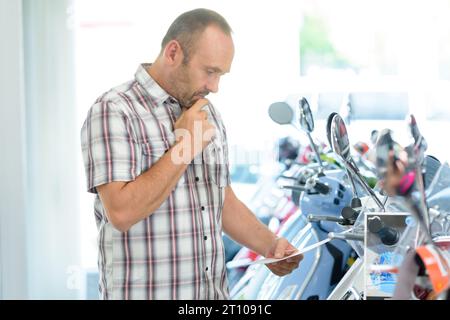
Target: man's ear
{"x": 173, "y": 54}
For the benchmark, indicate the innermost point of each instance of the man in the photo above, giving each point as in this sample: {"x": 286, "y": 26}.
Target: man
{"x": 155, "y": 152}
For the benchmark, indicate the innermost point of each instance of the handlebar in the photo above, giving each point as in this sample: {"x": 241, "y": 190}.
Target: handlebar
{"x": 346, "y": 236}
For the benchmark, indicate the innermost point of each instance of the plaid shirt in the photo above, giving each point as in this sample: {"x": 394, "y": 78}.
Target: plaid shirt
{"x": 177, "y": 252}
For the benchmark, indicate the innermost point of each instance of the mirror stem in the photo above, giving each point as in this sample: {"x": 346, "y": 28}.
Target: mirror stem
{"x": 355, "y": 192}
{"x": 365, "y": 186}
{"x": 422, "y": 201}
{"x": 420, "y": 216}
{"x": 313, "y": 145}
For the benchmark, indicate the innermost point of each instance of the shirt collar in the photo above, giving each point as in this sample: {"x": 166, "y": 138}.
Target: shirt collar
{"x": 158, "y": 94}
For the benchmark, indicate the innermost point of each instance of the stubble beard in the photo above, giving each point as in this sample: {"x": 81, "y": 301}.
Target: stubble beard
{"x": 180, "y": 83}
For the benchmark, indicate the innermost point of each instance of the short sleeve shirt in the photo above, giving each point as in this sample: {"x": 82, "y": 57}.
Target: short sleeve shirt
{"x": 177, "y": 251}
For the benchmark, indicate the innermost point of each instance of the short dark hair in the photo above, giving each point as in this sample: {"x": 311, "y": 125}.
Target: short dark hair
{"x": 188, "y": 27}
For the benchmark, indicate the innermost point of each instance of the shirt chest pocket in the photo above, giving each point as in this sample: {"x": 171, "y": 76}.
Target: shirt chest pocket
{"x": 152, "y": 152}
{"x": 216, "y": 159}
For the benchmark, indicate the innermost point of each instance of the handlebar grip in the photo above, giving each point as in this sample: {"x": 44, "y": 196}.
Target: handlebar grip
{"x": 316, "y": 218}
{"x": 322, "y": 188}
{"x": 346, "y": 236}
{"x": 388, "y": 235}
{"x": 349, "y": 213}
{"x": 295, "y": 188}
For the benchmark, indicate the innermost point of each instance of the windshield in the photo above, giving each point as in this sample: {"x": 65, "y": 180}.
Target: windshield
{"x": 438, "y": 192}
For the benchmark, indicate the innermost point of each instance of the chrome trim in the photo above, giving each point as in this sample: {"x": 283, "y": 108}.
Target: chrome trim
{"x": 312, "y": 270}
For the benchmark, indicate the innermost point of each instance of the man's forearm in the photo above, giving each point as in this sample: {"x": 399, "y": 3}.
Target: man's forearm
{"x": 138, "y": 199}
{"x": 244, "y": 227}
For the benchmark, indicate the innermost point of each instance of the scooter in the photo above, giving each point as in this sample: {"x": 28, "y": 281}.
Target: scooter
{"x": 319, "y": 193}
{"x": 373, "y": 233}
{"x": 424, "y": 271}
{"x": 407, "y": 257}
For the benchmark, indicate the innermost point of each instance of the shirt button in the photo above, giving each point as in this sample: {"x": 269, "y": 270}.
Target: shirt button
{"x": 197, "y": 179}
{"x": 205, "y": 238}
{"x": 203, "y": 208}
{"x": 206, "y": 269}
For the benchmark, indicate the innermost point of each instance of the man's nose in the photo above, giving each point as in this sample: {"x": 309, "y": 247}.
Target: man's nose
{"x": 213, "y": 85}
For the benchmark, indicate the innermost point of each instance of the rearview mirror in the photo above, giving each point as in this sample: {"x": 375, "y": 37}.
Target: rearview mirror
{"x": 281, "y": 113}
{"x": 306, "y": 119}
{"x": 330, "y": 118}
{"x": 339, "y": 138}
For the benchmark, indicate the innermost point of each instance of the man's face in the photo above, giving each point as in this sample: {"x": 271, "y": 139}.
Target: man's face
{"x": 211, "y": 58}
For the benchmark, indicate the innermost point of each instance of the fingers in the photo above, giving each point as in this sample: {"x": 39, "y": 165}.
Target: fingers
{"x": 291, "y": 248}
{"x": 198, "y": 105}
{"x": 295, "y": 259}
{"x": 195, "y": 112}
{"x": 203, "y": 115}
{"x": 281, "y": 247}
{"x": 279, "y": 271}
{"x": 283, "y": 268}
{"x": 287, "y": 266}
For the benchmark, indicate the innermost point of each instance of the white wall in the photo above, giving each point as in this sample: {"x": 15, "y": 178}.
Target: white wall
{"x": 52, "y": 144}
{"x": 39, "y": 201}
{"x": 13, "y": 275}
